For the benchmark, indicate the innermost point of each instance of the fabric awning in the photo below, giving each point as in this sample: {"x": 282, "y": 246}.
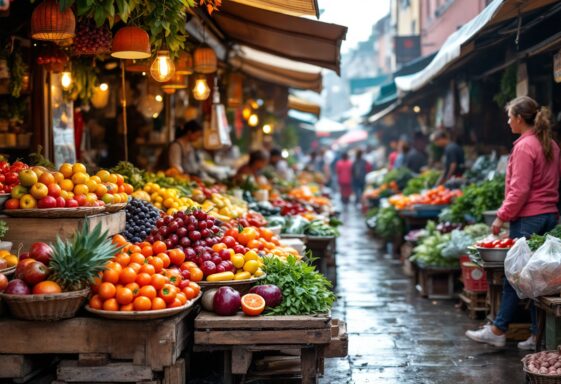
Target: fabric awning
{"x": 288, "y": 7}
{"x": 384, "y": 112}
{"x": 457, "y": 45}
{"x": 276, "y": 69}
{"x": 295, "y": 38}
{"x": 353, "y": 137}
{"x": 303, "y": 105}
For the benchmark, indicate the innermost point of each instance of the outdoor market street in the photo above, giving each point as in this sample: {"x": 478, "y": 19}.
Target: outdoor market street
{"x": 395, "y": 335}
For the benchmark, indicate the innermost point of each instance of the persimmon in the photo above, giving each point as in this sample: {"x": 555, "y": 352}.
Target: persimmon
{"x": 176, "y": 256}
{"x": 158, "y": 303}
{"x": 148, "y": 268}
{"x": 158, "y": 281}
{"x": 157, "y": 262}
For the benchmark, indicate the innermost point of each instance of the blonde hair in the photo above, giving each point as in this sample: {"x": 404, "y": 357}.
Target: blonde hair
{"x": 539, "y": 118}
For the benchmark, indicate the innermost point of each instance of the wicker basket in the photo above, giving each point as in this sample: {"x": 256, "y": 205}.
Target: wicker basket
{"x": 112, "y": 208}
{"x": 536, "y": 378}
{"x": 45, "y": 307}
{"x": 55, "y": 213}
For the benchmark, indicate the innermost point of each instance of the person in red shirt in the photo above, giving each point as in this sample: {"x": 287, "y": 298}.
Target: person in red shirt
{"x": 530, "y": 204}
{"x": 344, "y": 170}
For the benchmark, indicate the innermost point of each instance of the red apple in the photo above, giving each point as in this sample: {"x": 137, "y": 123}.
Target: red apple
{"x": 81, "y": 199}
{"x": 21, "y": 267}
{"x": 47, "y": 202}
{"x": 35, "y": 272}
{"x": 24, "y": 255}
{"x": 60, "y": 202}
{"x": 41, "y": 252}
{"x": 72, "y": 203}
{"x": 54, "y": 190}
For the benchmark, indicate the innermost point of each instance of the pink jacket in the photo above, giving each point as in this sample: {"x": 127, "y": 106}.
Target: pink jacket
{"x": 532, "y": 183}
{"x": 344, "y": 169}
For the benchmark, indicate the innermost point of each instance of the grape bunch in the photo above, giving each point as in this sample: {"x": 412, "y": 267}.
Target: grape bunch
{"x": 141, "y": 219}
{"x": 91, "y": 39}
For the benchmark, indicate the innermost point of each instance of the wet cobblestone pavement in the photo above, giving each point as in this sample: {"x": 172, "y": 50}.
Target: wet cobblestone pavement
{"x": 395, "y": 335}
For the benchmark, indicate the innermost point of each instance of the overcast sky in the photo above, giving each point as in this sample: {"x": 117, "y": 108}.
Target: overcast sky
{"x": 357, "y": 15}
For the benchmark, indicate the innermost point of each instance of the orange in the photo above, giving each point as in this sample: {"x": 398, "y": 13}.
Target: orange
{"x": 66, "y": 185}
{"x": 96, "y": 179}
{"x": 137, "y": 257}
{"x": 123, "y": 259}
{"x": 79, "y": 167}
{"x": 158, "y": 303}
{"x": 128, "y": 275}
{"x": 112, "y": 178}
{"x": 103, "y": 175}
{"x": 121, "y": 189}
{"x": 127, "y": 308}
{"x": 143, "y": 279}
{"x": 175, "y": 303}
{"x": 142, "y": 303}
{"x": 176, "y": 256}
{"x": 158, "y": 281}
{"x": 157, "y": 262}
{"x": 196, "y": 287}
{"x": 159, "y": 247}
{"x": 147, "y": 251}
{"x": 196, "y": 274}
{"x": 120, "y": 179}
{"x": 92, "y": 185}
{"x": 120, "y": 240}
{"x": 96, "y": 283}
{"x": 147, "y": 268}
{"x": 267, "y": 234}
{"x": 253, "y": 304}
{"x": 189, "y": 265}
{"x": 124, "y": 296}
{"x": 253, "y": 244}
{"x": 174, "y": 276}
{"x": 66, "y": 170}
{"x": 134, "y": 287}
{"x": 135, "y": 266}
{"x": 168, "y": 293}
{"x": 189, "y": 293}
{"x": 47, "y": 178}
{"x": 110, "y": 305}
{"x": 115, "y": 266}
{"x": 111, "y": 276}
{"x": 148, "y": 291}
{"x": 135, "y": 249}
{"x": 219, "y": 247}
{"x": 107, "y": 291}
{"x": 96, "y": 302}
{"x": 100, "y": 190}
{"x": 80, "y": 178}
{"x": 129, "y": 189}
{"x": 165, "y": 258}
{"x": 58, "y": 177}
{"x": 81, "y": 189}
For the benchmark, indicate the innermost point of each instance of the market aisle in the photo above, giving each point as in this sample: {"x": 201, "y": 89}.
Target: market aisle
{"x": 395, "y": 336}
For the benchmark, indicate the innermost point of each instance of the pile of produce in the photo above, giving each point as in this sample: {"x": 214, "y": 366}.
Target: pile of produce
{"x": 385, "y": 222}
{"x": 399, "y": 176}
{"x": 476, "y": 199}
{"x": 304, "y": 290}
{"x": 168, "y": 199}
{"x": 298, "y": 225}
{"x": 505, "y": 243}
{"x": 424, "y": 181}
{"x": 141, "y": 219}
{"x": 436, "y": 196}
{"x": 226, "y": 301}
{"x": 70, "y": 187}
{"x": 384, "y": 190}
{"x": 138, "y": 279}
{"x": 9, "y": 175}
{"x": 543, "y": 363}
{"x": 265, "y": 208}
{"x": 537, "y": 241}
{"x": 91, "y": 39}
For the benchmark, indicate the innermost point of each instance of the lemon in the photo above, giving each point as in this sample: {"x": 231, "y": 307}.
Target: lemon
{"x": 238, "y": 260}
{"x": 251, "y": 266}
{"x": 251, "y": 255}
{"x": 259, "y": 272}
{"x": 11, "y": 259}
{"x": 4, "y": 253}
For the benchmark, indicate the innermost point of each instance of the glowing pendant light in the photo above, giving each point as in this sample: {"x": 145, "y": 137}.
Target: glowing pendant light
{"x": 201, "y": 90}
{"x": 49, "y": 23}
{"x": 253, "y": 120}
{"x": 162, "y": 68}
{"x": 131, "y": 43}
{"x": 66, "y": 80}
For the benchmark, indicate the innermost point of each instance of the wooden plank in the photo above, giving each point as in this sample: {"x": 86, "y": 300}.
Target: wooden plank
{"x": 309, "y": 365}
{"x": 21, "y": 227}
{"x": 13, "y": 366}
{"x": 175, "y": 374}
{"x": 92, "y": 359}
{"x": 339, "y": 345}
{"x": 69, "y": 371}
{"x": 237, "y": 337}
{"x": 206, "y": 320}
{"x": 241, "y": 360}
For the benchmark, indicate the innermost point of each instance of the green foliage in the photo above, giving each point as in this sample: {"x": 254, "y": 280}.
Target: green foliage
{"x": 400, "y": 176}
{"x": 305, "y": 291}
{"x": 37, "y": 158}
{"x": 387, "y": 223}
{"x": 84, "y": 80}
{"x": 3, "y": 228}
{"x": 537, "y": 241}
{"x": 18, "y": 68}
{"x": 476, "y": 199}
{"x": 508, "y": 86}
{"x": 426, "y": 180}
{"x": 132, "y": 175}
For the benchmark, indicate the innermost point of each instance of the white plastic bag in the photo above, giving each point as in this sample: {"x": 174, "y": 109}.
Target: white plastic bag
{"x": 516, "y": 259}
{"x": 542, "y": 274}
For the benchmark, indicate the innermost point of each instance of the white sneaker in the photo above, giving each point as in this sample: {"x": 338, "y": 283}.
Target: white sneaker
{"x": 486, "y": 335}
{"x": 528, "y": 345}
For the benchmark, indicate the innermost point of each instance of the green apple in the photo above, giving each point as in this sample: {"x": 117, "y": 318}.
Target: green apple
{"x": 18, "y": 191}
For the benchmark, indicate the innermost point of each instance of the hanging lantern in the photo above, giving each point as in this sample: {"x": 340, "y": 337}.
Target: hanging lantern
{"x": 201, "y": 90}
{"x": 184, "y": 64}
{"x": 205, "y": 60}
{"x": 131, "y": 43}
{"x": 235, "y": 90}
{"x": 48, "y": 22}
{"x": 177, "y": 82}
{"x": 162, "y": 68}
{"x": 100, "y": 96}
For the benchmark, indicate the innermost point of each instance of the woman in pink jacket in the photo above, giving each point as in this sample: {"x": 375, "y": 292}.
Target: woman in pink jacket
{"x": 344, "y": 170}
{"x": 530, "y": 204}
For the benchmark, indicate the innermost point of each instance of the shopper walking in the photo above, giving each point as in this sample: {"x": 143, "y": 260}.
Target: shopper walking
{"x": 344, "y": 169}
{"x": 530, "y": 204}
{"x": 361, "y": 167}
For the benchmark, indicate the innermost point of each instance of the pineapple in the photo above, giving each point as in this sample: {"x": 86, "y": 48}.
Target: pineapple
{"x": 76, "y": 262}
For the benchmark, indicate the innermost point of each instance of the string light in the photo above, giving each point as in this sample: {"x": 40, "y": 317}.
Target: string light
{"x": 162, "y": 68}
{"x": 66, "y": 80}
{"x": 201, "y": 90}
{"x": 253, "y": 120}
{"x": 267, "y": 129}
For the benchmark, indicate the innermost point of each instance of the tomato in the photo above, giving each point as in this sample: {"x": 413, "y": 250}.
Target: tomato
{"x": 168, "y": 293}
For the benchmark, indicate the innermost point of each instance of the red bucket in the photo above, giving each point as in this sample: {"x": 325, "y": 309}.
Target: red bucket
{"x": 474, "y": 277}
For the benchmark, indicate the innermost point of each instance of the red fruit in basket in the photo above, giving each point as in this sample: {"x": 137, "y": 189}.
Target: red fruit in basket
{"x": 4, "y": 282}
{"x": 35, "y": 272}
{"x": 47, "y": 202}
{"x": 24, "y": 255}
{"x": 229, "y": 241}
{"x": 41, "y": 252}
{"x": 12, "y": 204}
{"x": 54, "y": 190}
{"x": 226, "y": 301}
{"x": 17, "y": 287}
{"x": 60, "y": 202}
{"x": 21, "y": 266}
{"x": 72, "y": 203}
{"x": 208, "y": 268}
{"x": 81, "y": 199}
{"x": 12, "y": 178}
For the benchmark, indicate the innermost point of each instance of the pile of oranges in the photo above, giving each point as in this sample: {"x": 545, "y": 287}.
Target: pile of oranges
{"x": 259, "y": 240}
{"x": 138, "y": 279}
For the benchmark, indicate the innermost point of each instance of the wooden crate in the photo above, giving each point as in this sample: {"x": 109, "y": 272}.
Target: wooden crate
{"x": 241, "y": 336}
{"x": 475, "y": 303}
{"x": 438, "y": 283}
{"x": 47, "y": 230}
{"x": 139, "y": 346}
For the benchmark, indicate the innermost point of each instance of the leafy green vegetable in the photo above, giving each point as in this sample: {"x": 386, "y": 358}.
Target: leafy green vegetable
{"x": 3, "y": 228}
{"x": 429, "y": 251}
{"x": 478, "y": 198}
{"x": 320, "y": 228}
{"x": 537, "y": 241}
{"x": 305, "y": 291}
{"x": 387, "y": 223}
{"x": 424, "y": 181}
{"x": 400, "y": 176}
{"x": 132, "y": 175}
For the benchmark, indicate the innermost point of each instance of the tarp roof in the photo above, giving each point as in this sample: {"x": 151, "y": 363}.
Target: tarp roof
{"x": 288, "y": 7}
{"x": 295, "y": 38}
{"x": 457, "y": 45}
{"x": 303, "y": 105}
{"x": 277, "y": 70}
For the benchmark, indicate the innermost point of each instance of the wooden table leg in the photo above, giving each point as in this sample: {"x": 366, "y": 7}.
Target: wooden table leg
{"x": 309, "y": 365}
{"x": 541, "y": 327}
{"x": 228, "y": 377}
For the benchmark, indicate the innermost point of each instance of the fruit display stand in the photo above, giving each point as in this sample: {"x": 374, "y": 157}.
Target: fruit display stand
{"x": 437, "y": 282}
{"x": 47, "y": 230}
{"x": 324, "y": 250}
{"x": 108, "y": 350}
{"x": 311, "y": 338}
{"x": 549, "y": 321}
{"x": 495, "y": 274}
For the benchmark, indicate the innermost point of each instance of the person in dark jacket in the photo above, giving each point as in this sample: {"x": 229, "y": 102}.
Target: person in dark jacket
{"x": 360, "y": 169}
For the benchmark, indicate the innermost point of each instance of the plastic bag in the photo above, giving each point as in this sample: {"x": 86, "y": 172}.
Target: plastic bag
{"x": 516, "y": 259}
{"x": 542, "y": 274}
{"x": 458, "y": 245}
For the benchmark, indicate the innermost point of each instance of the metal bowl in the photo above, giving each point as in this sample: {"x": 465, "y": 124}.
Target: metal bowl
{"x": 3, "y": 198}
{"x": 489, "y": 217}
{"x": 493, "y": 254}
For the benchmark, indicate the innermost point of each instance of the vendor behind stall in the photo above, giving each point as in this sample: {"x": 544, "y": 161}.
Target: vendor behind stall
{"x": 454, "y": 157}
{"x": 183, "y": 152}
{"x": 253, "y": 169}
{"x": 530, "y": 204}
{"x": 280, "y": 166}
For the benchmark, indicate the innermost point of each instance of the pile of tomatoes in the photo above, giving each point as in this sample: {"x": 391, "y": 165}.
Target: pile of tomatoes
{"x": 144, "y": 277}
{"x": 9, "y": 175}
{"x": 498, "y": 243}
